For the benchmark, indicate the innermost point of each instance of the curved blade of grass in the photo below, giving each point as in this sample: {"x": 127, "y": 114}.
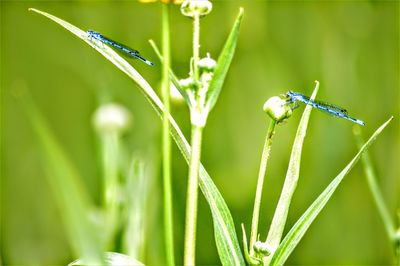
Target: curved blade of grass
{"x": 224, "y": 229}
{"x": 72, "y": 199}
{"x": 374, "y": 187}
{"x": 224, "y": 61}
{"x": 299, "y": 229}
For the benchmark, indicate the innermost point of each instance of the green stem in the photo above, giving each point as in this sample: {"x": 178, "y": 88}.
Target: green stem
{"x": 192, "y": 196}
{"x": 110, "y": 153}
{"x": 196, "y": 46}
{"x": 260, "y": 182}
{"x": 166, "y": 141}
{"x": 194, "y": 164}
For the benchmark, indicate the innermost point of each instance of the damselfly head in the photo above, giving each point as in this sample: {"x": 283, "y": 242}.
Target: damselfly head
{"x": 290, "y": 96}
{"x": 93, "y": 34}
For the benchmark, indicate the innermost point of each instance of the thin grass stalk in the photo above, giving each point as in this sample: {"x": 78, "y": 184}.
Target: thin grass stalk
{"x": 193, "y": 178}
{"x": 192, "y": 197}
{"x": 166, "y": 141}
{"x": 196, "y": 46}
{"x": 260, "y": 182}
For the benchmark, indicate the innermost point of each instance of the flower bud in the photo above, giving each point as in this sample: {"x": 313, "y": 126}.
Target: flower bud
{"x": 262, "y": 248}
{"x": 187, "y": 83}
{"x": 112, "y": 118}
{"x": 277, "y": 108}
{"x": 191, "y": 8}
{"x": 207, "y": 64}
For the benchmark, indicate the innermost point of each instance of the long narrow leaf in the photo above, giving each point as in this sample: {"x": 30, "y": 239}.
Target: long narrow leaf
{"x": 300, "y": 228}
{"x": 72, "y": 199}
{"x": 376, "y": 192}
{"x": 224, "y": 61}
{"x": 225, "y": 234}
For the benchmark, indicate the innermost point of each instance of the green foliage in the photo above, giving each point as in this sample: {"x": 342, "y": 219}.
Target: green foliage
{"x": 300, "y": 228}
{"x": 274, "y": 53}
{"x": 225, "y": 234}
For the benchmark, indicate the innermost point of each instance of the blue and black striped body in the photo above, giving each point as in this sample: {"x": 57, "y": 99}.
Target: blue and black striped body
{"x": 132, "y": 53}
{"x": 295, "y": 97}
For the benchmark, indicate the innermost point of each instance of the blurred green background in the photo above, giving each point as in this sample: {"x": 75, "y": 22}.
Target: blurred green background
{"x": 351, "y": 47}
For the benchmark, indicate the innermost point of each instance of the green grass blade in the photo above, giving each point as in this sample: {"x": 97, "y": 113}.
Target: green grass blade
{"x": 224, "y": 229}
{"x": 376, "y": 192}
{"x": 71, "y": 197}
{"x": 224, "y": 61}
{"x": 299, "y": 229}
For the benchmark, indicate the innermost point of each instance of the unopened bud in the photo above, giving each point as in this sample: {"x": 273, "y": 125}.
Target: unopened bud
{"x": 207, "y": 64}
{"x": 191, "y": 8}
{"x": 262, "y": 248}
{"x": 277, "y": 108}
{"x": 187, "y": 83}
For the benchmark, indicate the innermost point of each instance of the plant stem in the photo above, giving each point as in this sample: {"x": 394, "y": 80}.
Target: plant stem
{"x": 196, "y": 46}
{"x": 192, "y": 196}
{"x": 260, "y": 182}
{"x": 166, "y": 141}
{"x": 110, "y": 143}
{"x": 194, "y": 164}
